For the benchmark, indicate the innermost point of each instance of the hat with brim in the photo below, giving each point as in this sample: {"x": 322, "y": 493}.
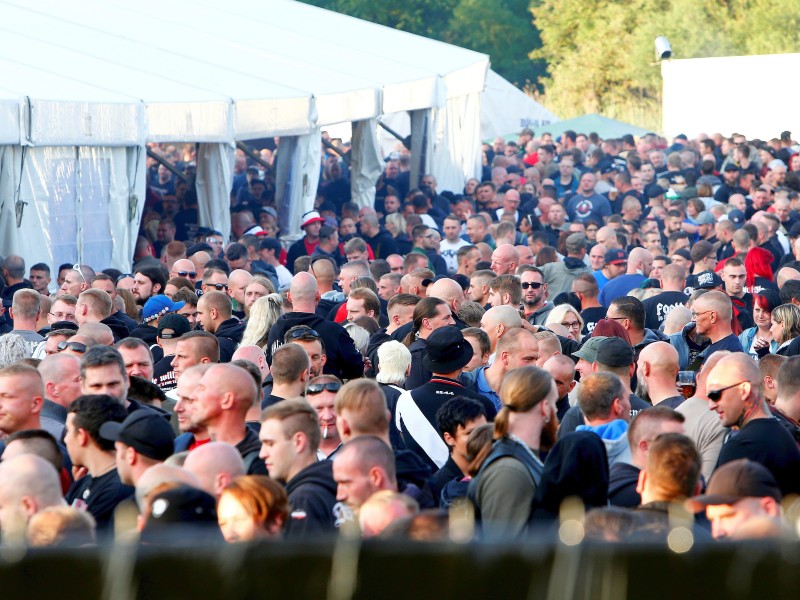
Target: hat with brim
{"x": 447, "y": 351}
{"x": 158, "y": 306}
{"x": 588, "y": 351}
{"x": 310, "y": 217}
{"x": 735, "y": 481}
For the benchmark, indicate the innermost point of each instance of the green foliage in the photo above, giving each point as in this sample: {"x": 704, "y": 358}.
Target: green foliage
{"x": 601, "y": 57}
{"x": 503, "y": 29}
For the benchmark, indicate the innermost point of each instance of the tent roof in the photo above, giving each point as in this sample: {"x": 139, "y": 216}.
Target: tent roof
{"x": 603, "y": 126}
{"x": 201, "y": 71}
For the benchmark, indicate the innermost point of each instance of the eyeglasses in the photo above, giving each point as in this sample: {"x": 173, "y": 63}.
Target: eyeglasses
{"x": 715, "y": 395}
{"x": 124, "y": 276}
{"x": 217, "y": 286}
{"x": 60, "y": 316}
{"x": 303, "y": 333}
{"x": 532, "y": 284}
{"x": 77, "y": 268}
{"x": 697, "y": 314}
{"x": 74, "y": 346}
{"x": 617, "y": 318}
{"x": 189, "y": 274}
{"x": 575, "y": 325}
{"x": 317, "y": 388}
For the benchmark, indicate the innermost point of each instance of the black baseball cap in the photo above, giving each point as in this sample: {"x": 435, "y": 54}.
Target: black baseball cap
{"x": 144, "y": 430}
{"x": 173, "y": 326}
{"x": 614, "y": 352}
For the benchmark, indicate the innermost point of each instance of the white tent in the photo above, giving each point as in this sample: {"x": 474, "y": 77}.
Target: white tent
{"x": 701, "y": 96}
{"x": 87, "y": 83}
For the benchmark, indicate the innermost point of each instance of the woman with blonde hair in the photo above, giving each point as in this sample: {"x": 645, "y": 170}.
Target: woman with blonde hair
{"x": 505, "y": 485}
{"x": 263, "y": 314}
{"x": 252, "y": 507}
{"x": 569, "y": 318}
{"x": 785, "y": 327}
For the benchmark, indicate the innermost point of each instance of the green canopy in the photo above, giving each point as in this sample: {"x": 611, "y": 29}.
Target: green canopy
{"x": 603, "y": 126}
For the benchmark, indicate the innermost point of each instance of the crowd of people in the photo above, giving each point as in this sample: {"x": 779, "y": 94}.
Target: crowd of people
{"x": 601, "y": 328}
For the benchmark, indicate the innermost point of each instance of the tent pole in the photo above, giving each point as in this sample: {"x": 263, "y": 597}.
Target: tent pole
{"x": 163, "y": 161}
{"x": 249, "y": 152}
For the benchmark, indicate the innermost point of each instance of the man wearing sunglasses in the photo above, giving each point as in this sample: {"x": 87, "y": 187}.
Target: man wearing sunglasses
{"x": 321, "y": 394}
{"x": 183, "y": 267}
{"x": 734, "y": 392}
{"x": 534, "y": 295}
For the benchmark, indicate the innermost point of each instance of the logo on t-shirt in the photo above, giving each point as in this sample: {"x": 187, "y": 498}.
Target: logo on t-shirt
{"x": 583, "y": 209}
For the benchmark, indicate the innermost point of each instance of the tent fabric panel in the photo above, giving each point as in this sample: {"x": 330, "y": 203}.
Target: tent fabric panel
{"x": 9, "y": 122}
{"x": 52, "y": 123}
{"x": 262, "y": 118}
{"x": 196, "y": 121}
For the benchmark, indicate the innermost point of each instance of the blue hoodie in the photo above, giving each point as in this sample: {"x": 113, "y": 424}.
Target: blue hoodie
{"x": 614, "y": 437}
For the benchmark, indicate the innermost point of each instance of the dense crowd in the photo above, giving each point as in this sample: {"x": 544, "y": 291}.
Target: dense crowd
{"x": 599, "y": 330}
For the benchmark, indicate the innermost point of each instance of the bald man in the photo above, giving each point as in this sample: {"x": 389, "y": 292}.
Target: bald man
{"x": 785, "y": 274}
{"x": 505, "y": 260}
{"x": 452, "y": 293}
{"x": 215, "y": 465}
{"x": 183, "y": 267}
{"x": 734, "y": 393}
{"x": 658, "y": 371}
{"x": 562, "y": 368}
{"x": 496, "y": 322}
{"x": 712, "y": 313}
{"x": 28, "y": 485}
{"x": 640, "y": 263}
{"x": 215, "y": 315}
{"x": 222, "y": 398}
{"x": 238, "y": 280}
{"x": 344, "y": 360}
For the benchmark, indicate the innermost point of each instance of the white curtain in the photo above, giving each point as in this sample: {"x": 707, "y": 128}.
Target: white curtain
{"x": 366, "y": 164}
{"x": 456, "y": 140}
{"x": 214, "y": 181}
{"x": 68, "y": 204}
{"x": 296, "y": 180}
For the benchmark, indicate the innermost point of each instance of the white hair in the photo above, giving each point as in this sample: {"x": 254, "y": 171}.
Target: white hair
{"x": 263, "y": 314}
{"x": 394, "y": 359}
{"x": 359, "y": 335}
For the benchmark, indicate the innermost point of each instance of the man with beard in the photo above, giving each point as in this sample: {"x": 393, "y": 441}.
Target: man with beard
{"x": 534, "y": 295}
{"x": 148, "y": 281}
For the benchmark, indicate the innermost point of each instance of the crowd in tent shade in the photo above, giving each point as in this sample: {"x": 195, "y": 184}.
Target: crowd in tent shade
{"x": 609, "y": 322}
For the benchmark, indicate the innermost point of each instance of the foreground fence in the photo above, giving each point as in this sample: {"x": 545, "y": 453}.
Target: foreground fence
{"x": 407, "y": 571}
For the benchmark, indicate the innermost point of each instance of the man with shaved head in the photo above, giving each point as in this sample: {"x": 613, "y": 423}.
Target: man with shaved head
{"x": 673, "y": 280}
{"x": 640, "y": 263}
{"x": 192, "y": 434}
{"x": 562, "y": 368}
{"x": 505, "y": 260}
{"x": 183, "y": 267}
{"x": 222, "y": 397}
{"x": 712, "y": 313}
{"x": 215, "y": 465}
{"x": 658, "y": 372}
{"x": 452, "y": 293}
{"x": 28, "y": 485}
{"x": 215, "y": 315}
{"x": 238, "y": 280}
{"x": 61, "y": 376}
{"x": 497, "y": 321}
{"x": 734, "y": 393}
{"x": 343, "y": 360}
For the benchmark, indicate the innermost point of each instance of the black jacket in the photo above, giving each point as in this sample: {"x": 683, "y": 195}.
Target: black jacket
{"x": 312, "y": 494}
{"x": 382, "y": 244}
{"x": 145, "y": 332}
{"x": 127, "y": 321}
{"x": 344, "y": 360}
{"x": 249, "y": 448}
{"x": 419, "y": 374}
{"x": 118, "y": 328}
{"x": 229, "y": 334}
{"x": 622, "y": 482}
{"x": 412, "y": 478}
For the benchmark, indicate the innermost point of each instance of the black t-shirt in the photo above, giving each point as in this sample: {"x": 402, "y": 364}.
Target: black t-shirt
{"x": 164, "y": 374}
{"x": 657, "y": 308}
{"x": 766, "y": 441}
{"x": 590, "y": 318}
{"x": 100, "y": 496}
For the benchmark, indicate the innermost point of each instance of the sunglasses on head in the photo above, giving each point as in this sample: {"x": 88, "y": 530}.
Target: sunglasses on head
{"x": 189, "y": 274}
{"x": 532, "y": 284}
{"x": 74, "y": 346}
{"x": 123, "y": 276}
{"x": 318, "y": 388}
{"x": 77, "y": 268}
{"x": 301, "y": 333}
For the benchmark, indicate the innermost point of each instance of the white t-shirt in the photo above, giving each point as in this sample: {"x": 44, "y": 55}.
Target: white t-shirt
{"x": 449, "y": 250}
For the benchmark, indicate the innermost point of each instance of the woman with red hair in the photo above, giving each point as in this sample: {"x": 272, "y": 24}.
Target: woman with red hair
{"x": 758, "y": 263}
{"x": 758, "y": 341}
